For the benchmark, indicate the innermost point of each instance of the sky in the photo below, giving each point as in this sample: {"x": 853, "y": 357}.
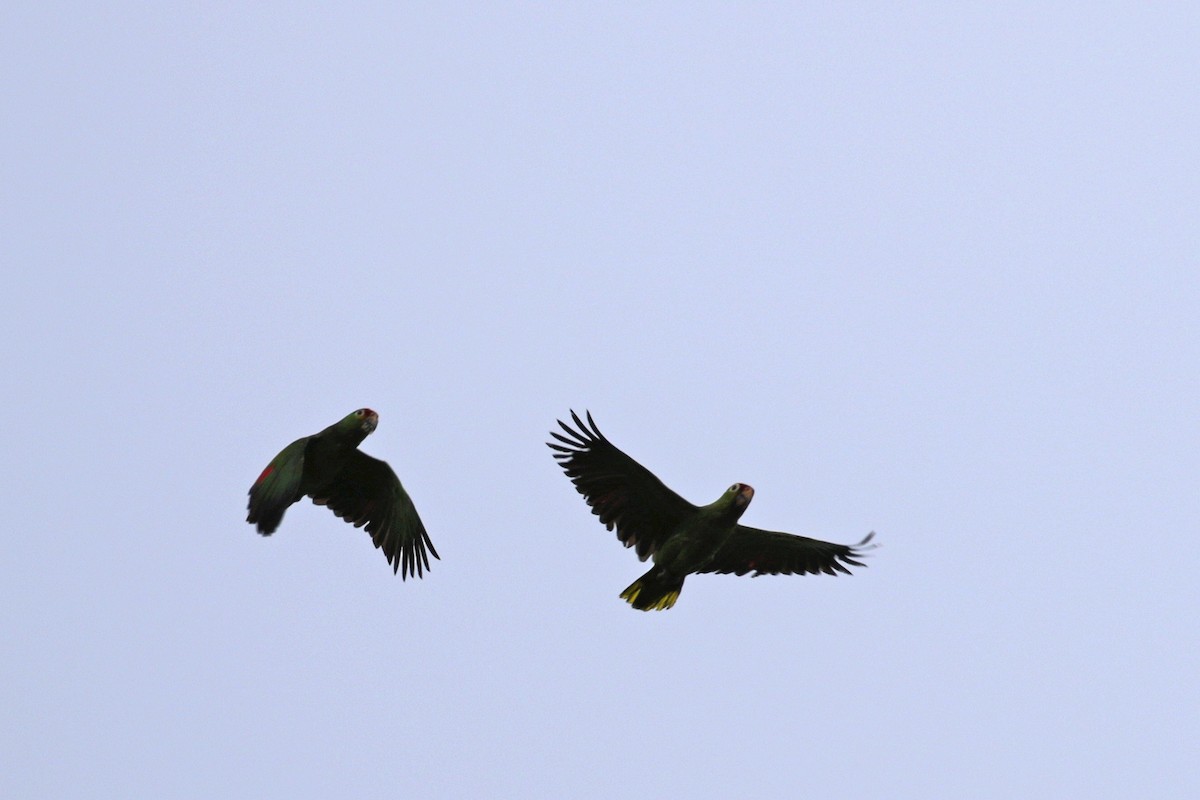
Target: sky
{"x": 929, "y": 270}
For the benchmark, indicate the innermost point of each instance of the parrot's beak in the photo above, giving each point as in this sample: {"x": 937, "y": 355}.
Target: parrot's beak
{"x": 745, "y": 495}
{"x": 370, "y": 422}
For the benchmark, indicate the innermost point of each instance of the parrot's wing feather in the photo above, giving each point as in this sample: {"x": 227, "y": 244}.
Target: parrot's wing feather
{"x": 277, "y": 487}
{"x": 367, "y": 492}
{"x": 773, "y": 553}
{"x": 621, "y": 492}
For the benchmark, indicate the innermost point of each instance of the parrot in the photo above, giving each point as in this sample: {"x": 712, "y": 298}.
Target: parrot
{"x": 682, "y": 538}
{"x": 329, "y": 467}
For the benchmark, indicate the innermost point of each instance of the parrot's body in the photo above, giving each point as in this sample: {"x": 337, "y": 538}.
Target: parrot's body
{"x": 329, "y": 468}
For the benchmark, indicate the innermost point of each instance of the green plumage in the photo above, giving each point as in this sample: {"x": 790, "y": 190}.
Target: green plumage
{"x": 364, "y": 491}
{"x": 681, "y": 538}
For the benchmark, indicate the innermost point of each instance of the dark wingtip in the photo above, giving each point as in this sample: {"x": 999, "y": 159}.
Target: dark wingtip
{"x": 582, "y": 436}
{"x": 264, "y": 524}
{"x": 857, "y": 551}
{"x": 413, "y": 559}
{"x": 432, "y": 551}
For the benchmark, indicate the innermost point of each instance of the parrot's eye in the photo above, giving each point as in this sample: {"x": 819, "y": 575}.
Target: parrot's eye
{"x": 735, "y": 487}
{"x": 359, "y": 413}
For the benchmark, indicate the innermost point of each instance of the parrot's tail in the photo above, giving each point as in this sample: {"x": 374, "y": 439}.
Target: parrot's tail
{"x": 655, "y": 590}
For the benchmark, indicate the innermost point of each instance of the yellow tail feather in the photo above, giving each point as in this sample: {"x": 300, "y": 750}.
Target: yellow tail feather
{"x": 664, "y": 602}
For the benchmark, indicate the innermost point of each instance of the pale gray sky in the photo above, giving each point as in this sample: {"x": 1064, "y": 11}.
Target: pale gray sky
{"x": 929, "y": 271}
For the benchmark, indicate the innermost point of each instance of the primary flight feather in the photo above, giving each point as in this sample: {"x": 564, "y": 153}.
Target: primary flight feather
{"x": 681, "y": 538}
{"x": 364, "y": 491}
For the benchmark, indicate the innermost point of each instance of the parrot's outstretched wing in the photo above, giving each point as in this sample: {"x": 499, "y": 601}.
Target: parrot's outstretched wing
{"x": 773, "y": 553}
{"x": 368, "y": 492}
{"x": 621, "y": 492}
{"x": 277, "y": 487}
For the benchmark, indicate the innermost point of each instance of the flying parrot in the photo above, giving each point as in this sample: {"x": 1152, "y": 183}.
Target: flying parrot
{"x": 682, "y": 538}
{"x": 329, "y": 467}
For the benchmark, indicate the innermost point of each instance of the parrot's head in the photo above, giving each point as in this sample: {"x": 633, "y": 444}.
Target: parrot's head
{"x": 733, "y": 503}
{"x": 742, "y": 493}
{"x": 364, "y": 419}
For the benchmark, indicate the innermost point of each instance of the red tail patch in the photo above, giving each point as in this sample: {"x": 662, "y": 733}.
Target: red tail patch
{"x": 270, "y": 468}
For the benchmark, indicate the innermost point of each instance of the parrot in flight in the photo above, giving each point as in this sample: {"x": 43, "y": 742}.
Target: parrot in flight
{"x": 682, "y": 538}
{"x": 329, "y": 467}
